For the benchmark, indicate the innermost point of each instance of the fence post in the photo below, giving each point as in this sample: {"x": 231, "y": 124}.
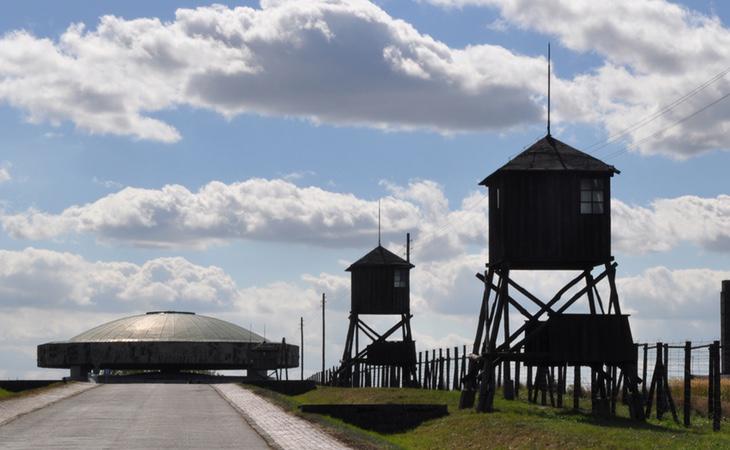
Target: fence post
{"x": 441, "y": 369}
{"x": 687, "y": 382}
{"x": 710, "y": 383}
{"x": 456, "y": 369}
{"x": 717, "y": 409}
{"x": 661, "y": 397}
{"x": 561, "y": 379}
{"x": 463, "y": 363}
{"x": 434, "y": 370}
{"x": 448, "y": 369}
{"x": 645, "y": 372}
{"x": 529, "y": 383}
{"x": 576, "y": 387}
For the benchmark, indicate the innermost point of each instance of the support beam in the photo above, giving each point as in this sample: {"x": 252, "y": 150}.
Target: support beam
{"x": 512, "y": 301}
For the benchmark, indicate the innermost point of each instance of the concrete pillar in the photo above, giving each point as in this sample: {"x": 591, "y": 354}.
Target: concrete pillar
{"x": 725, "y": 327}
{"x": 79, "y": 373}
{"x": 252, "y": 374}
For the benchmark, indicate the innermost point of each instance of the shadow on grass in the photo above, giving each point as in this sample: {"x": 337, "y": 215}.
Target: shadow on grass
{"x": 617, "y": 422}
{"x": 527, "y": 409}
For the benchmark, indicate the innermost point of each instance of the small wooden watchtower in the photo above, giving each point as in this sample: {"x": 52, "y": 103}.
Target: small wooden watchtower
{"x": 380, "y": 285}
{"x": 549, "y": 209}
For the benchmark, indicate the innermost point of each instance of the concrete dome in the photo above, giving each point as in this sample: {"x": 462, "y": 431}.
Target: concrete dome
{"x": 167, "y": 340}
{"x": 168, "y": 326}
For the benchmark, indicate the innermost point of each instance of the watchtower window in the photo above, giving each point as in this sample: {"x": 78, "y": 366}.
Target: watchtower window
{"x": 591, "y": 196}
{"x": 399, "y": 279}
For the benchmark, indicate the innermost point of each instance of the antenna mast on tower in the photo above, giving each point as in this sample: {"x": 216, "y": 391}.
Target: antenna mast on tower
{"x": 378, "y": 222}
{"x": 548, "y": 105}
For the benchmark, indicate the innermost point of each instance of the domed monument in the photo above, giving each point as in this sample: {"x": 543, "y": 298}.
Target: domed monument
{"x": 167, "y": 341}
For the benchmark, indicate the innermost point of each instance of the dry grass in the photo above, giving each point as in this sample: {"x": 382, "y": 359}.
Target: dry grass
{"x": 699, "y": 395}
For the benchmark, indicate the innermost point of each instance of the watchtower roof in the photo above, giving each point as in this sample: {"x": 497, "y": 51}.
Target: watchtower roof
{"x": 380, "y": 256}
{"x": 549, "y": 154}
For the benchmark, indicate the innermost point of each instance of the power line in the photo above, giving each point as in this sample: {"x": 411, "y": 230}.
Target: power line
{"x": 616, "y": 137}
{"x": 667, "y": 128}
{"x": 652, "y": 117}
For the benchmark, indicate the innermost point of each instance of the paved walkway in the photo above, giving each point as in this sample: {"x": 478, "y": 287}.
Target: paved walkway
{"x": 134, "y": 416}
{"x": 285, "y": 430}
{"x": 15, "y": 407}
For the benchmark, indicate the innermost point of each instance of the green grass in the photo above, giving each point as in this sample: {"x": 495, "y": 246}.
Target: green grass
{"x": 5, "y": 394}
{"x": 513, "y": 424}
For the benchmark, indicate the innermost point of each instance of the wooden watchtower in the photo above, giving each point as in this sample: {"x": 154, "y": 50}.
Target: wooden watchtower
{"x": 380, "y": 285}
{"x": 549, "y": 209}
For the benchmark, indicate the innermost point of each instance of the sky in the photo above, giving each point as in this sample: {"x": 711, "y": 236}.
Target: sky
{"x": 229, "y": 158}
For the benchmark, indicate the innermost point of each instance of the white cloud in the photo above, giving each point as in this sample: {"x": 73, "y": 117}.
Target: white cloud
{"x": 261, "y": 209}
{"x": 654, "y": 52}
{"x": 670, "y": 221}
{"x": 665, "y": 304}
{"x": 47, "y": 295}
{"x": 50, "y": 296}
{"x": 277, "y": 210}
{"x": 5, "y": 175}
{"x": 108, "y": 184}
{"x": 673, "y": 305}
{"x": 47, "y": 278}
{"x": 344, "y": 62}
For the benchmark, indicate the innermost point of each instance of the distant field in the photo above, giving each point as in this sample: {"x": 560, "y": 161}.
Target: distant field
{"x": 514, "y": 424}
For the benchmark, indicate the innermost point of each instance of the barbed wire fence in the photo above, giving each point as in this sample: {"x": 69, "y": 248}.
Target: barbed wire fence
{"x": 691, "y": 372}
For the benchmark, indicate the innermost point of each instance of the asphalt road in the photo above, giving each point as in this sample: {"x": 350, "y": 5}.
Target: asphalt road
{"x": 134, "y": 416}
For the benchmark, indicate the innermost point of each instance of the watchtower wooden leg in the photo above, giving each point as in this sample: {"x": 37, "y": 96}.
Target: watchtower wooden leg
{"x": 469, "y": 380}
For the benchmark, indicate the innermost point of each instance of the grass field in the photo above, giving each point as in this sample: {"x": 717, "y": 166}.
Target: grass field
{"x": 5, "y": 394}
{"x": 514, "y": 424}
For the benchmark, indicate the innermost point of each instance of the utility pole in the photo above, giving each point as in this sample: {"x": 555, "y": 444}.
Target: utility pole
{"x": 301, "y": 346}
{"x": 408, "y": 247}
{"x": 323, "y": 341}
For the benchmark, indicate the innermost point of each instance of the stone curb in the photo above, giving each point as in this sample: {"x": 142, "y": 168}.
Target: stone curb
{"x": 274, "y": 424}
{"x": 249, "y": 420}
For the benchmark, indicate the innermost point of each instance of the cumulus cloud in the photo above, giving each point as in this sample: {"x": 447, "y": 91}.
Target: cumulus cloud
{"x": 654, "y": 52}
{"x": 344, "y": 62}
{"x": 662, "y": 293}
{"x": 665, "y": 304}
{"x": 107, "y": 184}
{"x": 67, "y": 293}
{"x": 5, "y": 173}
{"x": 278, "y": 210}
{"x": 668, "y": 222}
{"x": 36, "y": 277}
{"x": 48, "y": 296}
{"x": 259, "y": 209}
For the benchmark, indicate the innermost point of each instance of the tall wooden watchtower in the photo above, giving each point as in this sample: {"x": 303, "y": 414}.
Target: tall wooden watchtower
{"x": 549, "y": 209}
{"x": 380, "y": 286}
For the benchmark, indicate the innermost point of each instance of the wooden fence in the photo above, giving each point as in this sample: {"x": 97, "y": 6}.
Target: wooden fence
{"x": 665, "y": 370}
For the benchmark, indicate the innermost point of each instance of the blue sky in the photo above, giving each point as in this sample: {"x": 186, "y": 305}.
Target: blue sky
{"x": 325, "y": 111}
